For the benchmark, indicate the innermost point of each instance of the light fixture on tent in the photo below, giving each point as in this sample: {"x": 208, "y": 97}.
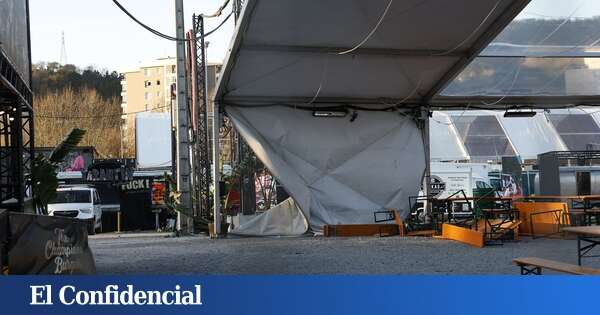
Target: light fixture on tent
{"x": 330, "y": 113}
{"x": 519, "y": 114}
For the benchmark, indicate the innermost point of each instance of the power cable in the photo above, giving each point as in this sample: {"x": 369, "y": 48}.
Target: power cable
{"x": 323, "y": 76}
{"x": 370, "y": 33}
{"x": 472, "y": 33}
{"x": 99, "y": 116}
{"x": 411, "y": 94}
{"x": 162, "y": 35}
{"x": 219, "y": 26}
{"x": 219, "y": 11}
{"x": 153, "y": 31}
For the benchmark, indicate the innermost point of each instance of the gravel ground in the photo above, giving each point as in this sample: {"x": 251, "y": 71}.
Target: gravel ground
{"x": 317, "y": 255}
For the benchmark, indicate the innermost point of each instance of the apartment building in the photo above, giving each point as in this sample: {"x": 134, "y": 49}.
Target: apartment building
{"x": 150, "y": 88}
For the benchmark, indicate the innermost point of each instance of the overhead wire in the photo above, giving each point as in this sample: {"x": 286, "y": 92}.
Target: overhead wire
{"x": 162, "y": 35}
{"x": 381, "y": 18}
{"x": 150, "y": 29}
{"x": 322, "y": 81}
{"x": 219, "y": 11}
{"x": 218, "y": 26}
{"x": 99, "y": 116}
{"x": 487, "y": 17}
{"x": 411, "y": 94}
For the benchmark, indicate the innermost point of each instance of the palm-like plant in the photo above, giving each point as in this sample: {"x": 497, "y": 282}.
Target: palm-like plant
{"x": 43, "y": 174}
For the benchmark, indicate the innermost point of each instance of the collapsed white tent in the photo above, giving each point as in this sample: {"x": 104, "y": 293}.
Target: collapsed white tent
{"x": 376, "y": 58}
{"x": 338, "y": 171}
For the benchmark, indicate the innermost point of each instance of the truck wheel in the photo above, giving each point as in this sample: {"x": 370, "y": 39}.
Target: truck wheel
{"x": 98, "y": 229}
{"x": 90, "y": 227}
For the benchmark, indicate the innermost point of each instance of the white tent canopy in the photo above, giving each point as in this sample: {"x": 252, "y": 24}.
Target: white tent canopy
{"x": 446, "y": 144}
{"x": 359, "y": 52}
{"x": 289, "y": 57}
{"x": 488, "y": 135}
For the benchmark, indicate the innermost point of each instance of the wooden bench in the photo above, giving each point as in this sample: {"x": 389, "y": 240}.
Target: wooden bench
{"x": 534, "y": 266}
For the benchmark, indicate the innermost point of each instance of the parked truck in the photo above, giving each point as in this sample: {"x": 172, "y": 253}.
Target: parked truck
{"x": 449, "y": 178}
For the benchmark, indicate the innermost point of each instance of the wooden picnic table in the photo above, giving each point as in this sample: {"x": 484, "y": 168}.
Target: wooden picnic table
{"x": 597, "y": 197}
{"x": 585, "y": 234}
{"x": 587, "y": 208}
{"x": 479, "y": 198}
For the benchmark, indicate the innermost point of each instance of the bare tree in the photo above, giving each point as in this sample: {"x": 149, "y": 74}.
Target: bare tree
{"x": 59, "y": 112}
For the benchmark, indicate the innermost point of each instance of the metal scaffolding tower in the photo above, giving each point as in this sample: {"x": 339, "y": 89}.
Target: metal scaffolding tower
{"x": 16, "y": 137}
{"x": 201, "y": 149}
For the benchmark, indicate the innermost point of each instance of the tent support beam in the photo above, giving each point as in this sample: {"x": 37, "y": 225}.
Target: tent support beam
{"x": 480, "y": 44}
{"x": 518, "y": 101}
{"x": 359, "y": 51}
{"x": 425, "y": 112}
{"x": 216, "y": 152}
{"x": 339, "y": 101}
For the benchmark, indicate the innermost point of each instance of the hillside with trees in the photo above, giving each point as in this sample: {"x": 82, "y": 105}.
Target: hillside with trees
{"x": 66, "y": 97}
{"x": 52, "y": 77}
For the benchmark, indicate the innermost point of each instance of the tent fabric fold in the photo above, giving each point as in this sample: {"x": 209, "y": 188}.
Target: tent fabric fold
{"x": 285, "y": 219}
{"x": 338, "y": 170}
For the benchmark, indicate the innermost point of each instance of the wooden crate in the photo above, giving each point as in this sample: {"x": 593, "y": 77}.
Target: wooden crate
{"x": 361, "y": 230}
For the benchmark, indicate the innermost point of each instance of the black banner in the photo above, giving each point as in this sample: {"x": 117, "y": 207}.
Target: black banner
{"x": 48, "y": 245}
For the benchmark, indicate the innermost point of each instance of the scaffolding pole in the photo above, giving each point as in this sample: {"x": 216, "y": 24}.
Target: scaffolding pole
{"x": 425, "y": 112}
{"x": 215, "y": 169}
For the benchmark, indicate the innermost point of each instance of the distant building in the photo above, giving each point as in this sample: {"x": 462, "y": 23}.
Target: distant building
{"x": 147, "y": 88}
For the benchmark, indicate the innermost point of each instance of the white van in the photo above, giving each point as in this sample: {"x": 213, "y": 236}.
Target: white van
{"x": 81, "y": 202}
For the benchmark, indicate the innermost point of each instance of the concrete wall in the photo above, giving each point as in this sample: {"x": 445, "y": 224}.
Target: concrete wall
{"x": 14, "y": 34}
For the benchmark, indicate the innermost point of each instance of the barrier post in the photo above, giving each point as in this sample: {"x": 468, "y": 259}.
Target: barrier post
{"x": 119, "y": 221}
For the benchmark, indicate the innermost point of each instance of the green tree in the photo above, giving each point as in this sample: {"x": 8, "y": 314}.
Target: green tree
{"x": 43, "y": 174}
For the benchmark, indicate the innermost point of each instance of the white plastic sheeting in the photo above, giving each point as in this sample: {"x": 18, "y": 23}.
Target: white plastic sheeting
{"x": 445, "y": 141}
{"x": 337, "y": 171}
{"x": 547, "y": 56}
{"x": 531, "y": 136}
{"x": 285, "y": 219}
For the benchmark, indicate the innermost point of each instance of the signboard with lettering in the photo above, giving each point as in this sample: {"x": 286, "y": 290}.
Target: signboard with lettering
{"x": 159, "y": 191}
{"x": 114, "y": 171}
{"x": 437, "y": 186}
{"x": 137, "y": 184}
{"x": 136, "y": 204}
{"x": 48, "y": 245}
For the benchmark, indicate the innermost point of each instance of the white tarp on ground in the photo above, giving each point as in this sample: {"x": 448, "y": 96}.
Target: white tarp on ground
{"x": 285, "y": 219}
{"x": 338, "y": 171}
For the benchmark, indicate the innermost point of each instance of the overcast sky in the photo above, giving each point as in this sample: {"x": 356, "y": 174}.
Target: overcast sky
{"x": 98, "y": 33}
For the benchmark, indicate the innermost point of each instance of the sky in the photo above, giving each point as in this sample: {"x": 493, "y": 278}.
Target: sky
{"x": 98, "y": 34}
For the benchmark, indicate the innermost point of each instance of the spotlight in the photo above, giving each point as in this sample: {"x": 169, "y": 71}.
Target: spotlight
{"x": 519, "y": 114}
{"x": 330, "y": 113}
